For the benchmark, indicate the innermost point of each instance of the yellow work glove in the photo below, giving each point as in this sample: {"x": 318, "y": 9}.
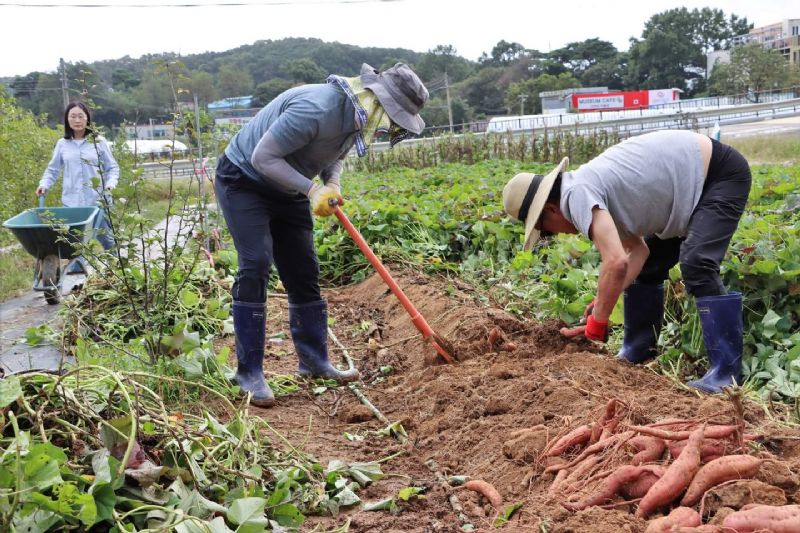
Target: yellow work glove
{"x": 321, "y": 197}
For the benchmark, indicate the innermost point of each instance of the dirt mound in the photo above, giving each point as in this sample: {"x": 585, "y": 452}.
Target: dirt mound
{"x": 489, "y": 416}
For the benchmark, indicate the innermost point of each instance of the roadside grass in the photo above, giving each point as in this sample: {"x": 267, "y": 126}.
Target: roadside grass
{"x": 16, "y": 266}
{"x": 771, "y": 149}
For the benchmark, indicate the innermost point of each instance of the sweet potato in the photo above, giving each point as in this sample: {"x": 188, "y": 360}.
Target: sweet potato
{"x": 705, "y": 528}
{"x": 611, "y": 487}
{"x": 557, "y": 481}
{"x": 775, "y": 519}
{"x": 577, "y": 437}
{"x": 707, "y": 449}
{"x": 608, "y": 414}
{"x": 648, "y": 449}
{"x": 590, "y": 450}
{"x": 712, "y": 432}
{"x": 677, "y": 477}
{"x": 487, "y": 490}
{"x": 717, "y": 471}
{"x": 638, "y": 488}
{"x": 680, "y": 516}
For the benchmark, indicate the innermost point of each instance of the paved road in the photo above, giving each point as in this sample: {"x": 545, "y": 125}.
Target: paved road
{"x": 780, "y": 126}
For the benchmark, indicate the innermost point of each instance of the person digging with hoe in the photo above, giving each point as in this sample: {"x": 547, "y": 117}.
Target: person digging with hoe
{"x": 264, "y": 184}
{"x": 648, "y": 203}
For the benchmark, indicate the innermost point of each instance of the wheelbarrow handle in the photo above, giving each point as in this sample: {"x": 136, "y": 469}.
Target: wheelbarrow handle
{"x": 418, "y": 320}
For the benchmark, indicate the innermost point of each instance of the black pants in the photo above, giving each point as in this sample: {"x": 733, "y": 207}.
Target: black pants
{"x": 711, "y": 227}
{"x": 268, "y": 226}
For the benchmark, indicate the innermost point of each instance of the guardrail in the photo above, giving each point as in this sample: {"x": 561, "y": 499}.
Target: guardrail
{"x": 691, "y": 119}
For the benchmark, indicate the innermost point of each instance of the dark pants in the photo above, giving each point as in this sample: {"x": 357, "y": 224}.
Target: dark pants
{"x": 711, "y": 227}
{"x": 269, "y": 226}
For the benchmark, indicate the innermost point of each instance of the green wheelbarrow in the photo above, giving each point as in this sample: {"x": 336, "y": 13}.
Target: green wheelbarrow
{"x": 51, "y": 235}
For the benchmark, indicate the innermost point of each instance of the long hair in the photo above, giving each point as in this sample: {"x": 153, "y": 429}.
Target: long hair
{"x": 68, "y": 133}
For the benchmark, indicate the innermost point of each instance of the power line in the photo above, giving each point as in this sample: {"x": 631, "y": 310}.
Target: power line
{"x": 211, "y": 4}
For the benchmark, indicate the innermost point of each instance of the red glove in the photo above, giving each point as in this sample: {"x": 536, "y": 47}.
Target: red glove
{"x": 596, "y": 330}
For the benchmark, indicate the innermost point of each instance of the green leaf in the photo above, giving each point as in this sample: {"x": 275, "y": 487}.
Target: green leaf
{"x": 506, "y": 514}
{"x": 189, "y": 297}
{"x": 39, "y": 521}
{"x": 193, "y": 526}
{"x": 287, "y": 515}
{"x": 10, "y": 390}
{"x": 388, "y": 504}
{"x": 247, "y": 511}
{"x": 406, "y": 493}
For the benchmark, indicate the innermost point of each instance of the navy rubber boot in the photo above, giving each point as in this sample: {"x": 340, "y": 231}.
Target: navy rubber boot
{"x": 249, "y": 325}
{"x": 721, "y": 319}
{"x": 643, "y": 309}
{"x": 77, "y": 266}
{"x": 308, "y": 324}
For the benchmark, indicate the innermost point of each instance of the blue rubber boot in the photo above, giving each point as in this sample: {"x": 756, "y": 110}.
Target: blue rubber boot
{"x": 77, "y": 266}
{"x": 249, "y": 325}
{"x": 643, "y": 310}
{"x": 721, "y": 319}
{"x": 308, "y": 324}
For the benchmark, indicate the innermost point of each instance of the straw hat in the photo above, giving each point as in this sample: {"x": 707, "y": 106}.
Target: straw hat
{"x": 524, "y": 197}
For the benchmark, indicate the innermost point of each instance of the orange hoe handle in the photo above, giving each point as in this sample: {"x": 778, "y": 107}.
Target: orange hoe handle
{"x": 418, "y": 320}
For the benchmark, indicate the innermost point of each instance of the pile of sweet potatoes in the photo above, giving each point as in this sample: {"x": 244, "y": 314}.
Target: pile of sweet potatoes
{"x": 669, "y": 464}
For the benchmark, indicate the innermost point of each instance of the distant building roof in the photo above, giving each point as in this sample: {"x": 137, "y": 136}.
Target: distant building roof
{"x": 566, "y": 92}
{"x": 232, "y": 103}
{"x": 148, "y": 146}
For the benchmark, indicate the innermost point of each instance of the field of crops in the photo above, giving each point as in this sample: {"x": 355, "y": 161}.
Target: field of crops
{"x": 147, "y": 433}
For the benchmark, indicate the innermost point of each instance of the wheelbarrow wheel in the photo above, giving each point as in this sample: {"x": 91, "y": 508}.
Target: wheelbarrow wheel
{"x": 51, "y": 275}
{"x": 52, "y": 296}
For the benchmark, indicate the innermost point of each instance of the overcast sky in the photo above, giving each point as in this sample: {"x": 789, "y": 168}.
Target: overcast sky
{"x": 34, "y": 38}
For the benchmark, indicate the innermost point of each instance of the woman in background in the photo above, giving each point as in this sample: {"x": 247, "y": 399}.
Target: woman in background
{"x": 82, "y": 159}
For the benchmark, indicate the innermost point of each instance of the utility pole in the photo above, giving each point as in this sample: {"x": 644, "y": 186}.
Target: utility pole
{"x": 64, "y": 91}
{"x": 203, "y": 212}
{"x": 522, "y": 99}
{"x": 449, "y": 106}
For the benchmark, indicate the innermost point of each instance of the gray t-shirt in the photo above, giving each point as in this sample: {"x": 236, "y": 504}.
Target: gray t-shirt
{"x": 314, "y": 124}
{"x": 649, "y": 184}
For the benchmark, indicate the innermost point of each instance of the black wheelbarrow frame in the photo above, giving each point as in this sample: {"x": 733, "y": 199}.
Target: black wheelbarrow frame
{"x": 51, "y": 235}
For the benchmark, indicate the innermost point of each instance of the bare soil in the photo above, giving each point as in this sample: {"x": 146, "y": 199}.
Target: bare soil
{"x": 466, "y": 418}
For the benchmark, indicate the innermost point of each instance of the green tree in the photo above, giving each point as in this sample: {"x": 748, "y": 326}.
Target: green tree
{"x": 581, "y": 55}
{"x": 233, "y": 81}
{"x": 123, "y": 79}
{"x": 433, "y": 64}
{"x": 672, "y": 50}
{"x": 609, "y": 73}
{"x": 27, "y": 147}
{"x": 484, "y": 91}
{"x": 266, "y": 91}
{"x": 503, "y": 53}
{"x": 435, "y": 112}
{"x": 753, "y": 69}
{"x": 524, "y": 95}
{"x": 202, "y": 85}
{"x": 304, "y": 70}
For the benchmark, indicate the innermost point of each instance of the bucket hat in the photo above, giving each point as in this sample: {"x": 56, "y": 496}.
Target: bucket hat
{"x": 524, "y": 197}
{"x": 400, "y": 92}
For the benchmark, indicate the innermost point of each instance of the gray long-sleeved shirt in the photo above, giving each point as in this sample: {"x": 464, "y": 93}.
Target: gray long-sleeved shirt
{"x": 311, "y": 127}
{"x": 81, "y": 160}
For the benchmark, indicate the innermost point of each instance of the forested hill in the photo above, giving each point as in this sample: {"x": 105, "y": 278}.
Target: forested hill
{"x": 268, "y": 59}
{"x": 125, "y": 88}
